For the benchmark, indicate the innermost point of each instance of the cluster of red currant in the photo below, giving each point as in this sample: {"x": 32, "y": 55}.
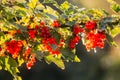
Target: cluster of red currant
{"x": 13, "y": 47}
{"x": 76, "y": 36}
{"x": 94, "y": 37}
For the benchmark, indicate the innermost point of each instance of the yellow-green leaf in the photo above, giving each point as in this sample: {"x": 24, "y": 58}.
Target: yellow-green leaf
{"x": 57, "y": 61}
{"x": 65, "y": 5}
{"x": 76, "y": 59}
{"x": 40, "y": 7}
{"x": 32, "y": 3}
{"x": 20, "y": 61}
{"x": 51, "y": 12}
{"x": 17, "y": 78}
{"x": 21, "y": 1}
{"x": 115, "y": 31}
{"x": 0, "y": 67}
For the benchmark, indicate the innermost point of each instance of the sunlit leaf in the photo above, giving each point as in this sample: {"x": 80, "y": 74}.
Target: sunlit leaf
{"x": 17, "y": 78}
{"x": 65, "y": 6}
{"x": 40, "y": 7}
{"x": 20, "y": 61}
{"x": 21, "y": 1}
{"x": 57, "y": 61}
{"x": 116, "y": 7}
{"x": 0, "y": 67}
{"x": 115, "y": 31}
{"x": 53, "y": 14}
{"x": 32, "y": 4}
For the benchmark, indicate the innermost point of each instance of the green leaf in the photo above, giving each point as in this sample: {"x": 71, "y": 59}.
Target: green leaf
{"x": 115, "y": 7}
{"x": 76, "y": 59}
{"x": 40, "y": 7}
{"x": 20, "y": 61}
{"x": 51, "y": 16}
{"x": 4, "y": 38}
{"x": 110, "y": 40}
{"x": 21, "y": 13}
{"x": 22, "y": 28}
{"x": 32, "y": 3}
{"x": 9, "y": 64}
{"x": 65, "y": 5}
{"x": 115, "y": 31}
{"x": 39, "y": 54}
{"x": 21, "y": 1}
{"x": 17, "y": 78}
{"x": 51, "y": 13}
{"x": 49, "y": 1}
{"x": 0, "y": 67}
{"x": 69, "y": 55}
{"x": 56, "y": 60}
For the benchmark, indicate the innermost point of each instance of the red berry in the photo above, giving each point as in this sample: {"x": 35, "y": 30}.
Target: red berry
{"x": 74, "y": 41}
{"x": 28, "y": 27}
{"x": 29, "y": 65}
{"x": 0, "y": 49}
{"x": 56, "y": 24}
{"x": 32, "y": 33}
{"x": 48, "y": 45}
{"x": 42, "y": 23}
{"x": 94, "y": 40}
{"x": 90, "y": 25}
{"x": 14, "y": 47}
{"x": 77, "y": 29}
{"x": 62, "y": 43}
{"x": 56, "y": 52}
{"x": 36, "y": 27}
{"x": 31, "y": 61}
{"x": 27, "y": 53}
{"x": 45, "y": 32}
{"x": 52, "y": 41}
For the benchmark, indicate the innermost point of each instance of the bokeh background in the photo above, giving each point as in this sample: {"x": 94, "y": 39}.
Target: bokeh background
{"x": 102, "y": 65}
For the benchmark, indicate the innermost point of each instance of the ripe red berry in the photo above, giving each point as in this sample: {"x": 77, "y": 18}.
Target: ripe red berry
{"x": 74, "y": 41}
{"x": 90, "y": 25}
{"x": 55, "y": 52}
{"x": 32, "y": 33}
{"x": 45, "y": 32}
{"x": 13, "y": 47}
{"x": 56, "y": 24}
{"x": 28, "y": 27}
{"x": 27, "y": 53}
{"x": 77, "y": 29}
{"x": 94, "y": 40}
{"x": 31, "y": 61}
{"x": 36, "y": 27}
{"x": 42, "y": 23}
{"x": 48, "y": 45}
{"x": 0, "y": 49}
{"x": 19, "y": 31}
{"x": 62, "y": 43}
{"x": 52, "y": 41}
